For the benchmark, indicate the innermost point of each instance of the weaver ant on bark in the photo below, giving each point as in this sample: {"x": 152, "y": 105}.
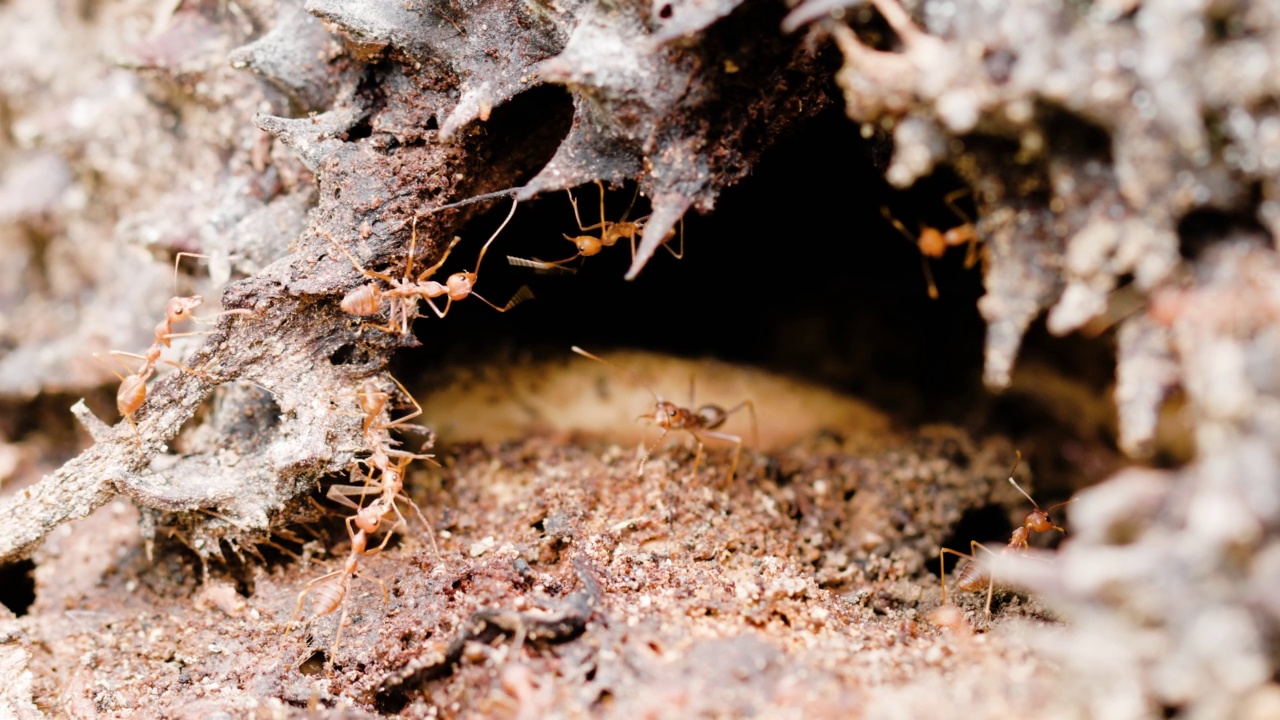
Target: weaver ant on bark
{"x": 610, "y": 233}
{"x": 385, "y": 482}
{"x": 703, "y": 421}
{"x": 934, "y": 243}
{"x": 132, "y": 392}
{"x": 974, "y": 576}
{"x": 405, "y": 292}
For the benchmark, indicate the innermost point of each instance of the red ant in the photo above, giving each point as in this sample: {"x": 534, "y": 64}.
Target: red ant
{"x": 405, "y": 292}
{"x": 610, "y": 233}
{"x": 333, "y": 593}
{"x": 934, "y": 243}
{"x": 386, "y": 481}
{"x": 133, "y": 387}
{"x": 973, "y": 576}
{"x": 389, "y": 482}
{"x": 703, "y": 421}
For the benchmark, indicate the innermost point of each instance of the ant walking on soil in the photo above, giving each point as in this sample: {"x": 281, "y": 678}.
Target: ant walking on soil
{"x": 934, "y": 243}
{"x": 974, "y": 576}
{"x": 331, "y": 588}
{"x": 703, "y": 421}
{"x": 610, "y": 233}
{"x": 405, "y": 292}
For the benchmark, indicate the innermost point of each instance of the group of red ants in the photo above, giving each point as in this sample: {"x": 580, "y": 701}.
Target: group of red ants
{"x": 377, "y": 479}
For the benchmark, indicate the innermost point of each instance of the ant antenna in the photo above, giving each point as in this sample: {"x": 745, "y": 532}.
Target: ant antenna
{"x": 472, "y": 200}
{"x": 1015, "y": 484}
{"x": 496, "y": 233}
{"x": 629, "y": 371}
{"x": 177, "y": 259}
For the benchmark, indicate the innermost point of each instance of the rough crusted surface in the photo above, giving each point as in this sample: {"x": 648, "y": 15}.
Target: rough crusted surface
{"x": 1123, "y": 160}
{"x": 1120, "y": 144}
{"x": 795, "y": 590}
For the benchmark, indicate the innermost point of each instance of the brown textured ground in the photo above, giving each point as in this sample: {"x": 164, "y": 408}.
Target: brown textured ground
{"x": 565, "y": 585}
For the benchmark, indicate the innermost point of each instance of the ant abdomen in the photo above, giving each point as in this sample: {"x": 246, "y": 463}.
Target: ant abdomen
{"x": 363, "y": 301}
{"x": 973, "y": 578}
{"x": 327, "y": 598}
{"x": 131, "y": 395}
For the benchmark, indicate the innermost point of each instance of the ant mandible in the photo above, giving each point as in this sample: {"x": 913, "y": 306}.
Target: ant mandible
{"x": 973, "y": 576}
{"x": 703, "y": 421}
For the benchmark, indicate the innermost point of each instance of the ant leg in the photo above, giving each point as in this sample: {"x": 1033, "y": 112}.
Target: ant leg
{"x": 206, "y": 321}
{"x": 346, "y": 609}
{"x": 381, "y": 546}
{"x": 367, "y": 273}
{"x": 545, "y": 266}
{"x": 630, "y": 205}
{"x": 340, "y": 493}
{"x": 102, "y": 360}
{"x": 337, "y": 636}
{"x": 698, "y": 452}
{"x": 677, "y": 255}
{"x": 302, "y": 596}
{"x": 603, "y": 221}
{"x": 439, "y": 263}
{"x": 971, "y": 255}
{"x": 523, "y": 294}
{"x": 480, "y": 258}
{"x": 737, "y": 450}
{"x": 942, "y": 568}
{"x": 645, "y": 458}
{"x": 991, "y": 582}
{"x": 413, "y": 245}
{"x": 448, "y": 303}
{"x": 178, "y": 258}
{"x": 899, "y": 20}
{"x": 928, "y": 277}
{"x": 751, "y": 410}
{"x": 431, "y": 533}
{"x": 193, "y": 371}
{"x": 390, "y": 327}
{"x": 120, "y": 353}
{"x": 417, "y": 409}
{"x": 574, "y": 202}
{"x": 928, "y": 273}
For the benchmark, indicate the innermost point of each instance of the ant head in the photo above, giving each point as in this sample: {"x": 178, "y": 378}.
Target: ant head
{"x": 932, "y": 243}
{"x": 1038, "y": 521}
{"x": 180, "y": 308}
{"x": 459, "y": 285}
{"x": 587, "y": 245}
{"x": 666, "y": 414}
